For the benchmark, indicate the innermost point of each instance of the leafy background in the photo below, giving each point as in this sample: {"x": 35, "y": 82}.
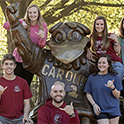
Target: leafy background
{"x": 53, "y": 11}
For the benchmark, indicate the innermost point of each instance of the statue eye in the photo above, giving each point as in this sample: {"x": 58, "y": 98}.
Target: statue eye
{"x": 76, "y": 35}
{"x": 59, "y": 38}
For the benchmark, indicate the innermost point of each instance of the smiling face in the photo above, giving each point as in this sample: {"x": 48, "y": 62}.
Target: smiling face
{"x": 8, "y": 67}
{"x": 57, "y": 93}
{"x": 99, "y": 26}
{"x": 103, "y": 65}
{"x": 33, "y": 14}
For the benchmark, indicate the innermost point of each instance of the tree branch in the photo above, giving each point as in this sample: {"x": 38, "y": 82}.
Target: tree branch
{"x": 45, "y": 4}
{"x": 103, "y": 4}
{"x": 3, "y": 5}
{"x": 56, "y": 7}
{"x": 69, "y": 9}
{"x": 14, "y": 1}
{"x": 24, "y": 6}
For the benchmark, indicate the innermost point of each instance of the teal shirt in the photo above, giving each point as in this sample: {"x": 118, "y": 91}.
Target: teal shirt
{"x": 121, "y": 40}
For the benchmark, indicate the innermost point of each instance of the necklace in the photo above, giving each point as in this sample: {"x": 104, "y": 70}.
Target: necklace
{"x": 102, "y": 79}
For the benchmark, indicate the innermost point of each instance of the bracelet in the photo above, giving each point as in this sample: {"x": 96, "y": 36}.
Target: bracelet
{"x": 72, "y": 115}
{"x": 93, "y": 104}
{"x": 116, "y": 43}
{"x": 113, "y": 89}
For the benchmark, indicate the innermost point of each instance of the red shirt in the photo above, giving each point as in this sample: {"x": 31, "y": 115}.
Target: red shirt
{"x": 49, "y": 114}
{"x": 12, "y": 100}
{"x": 110, "y": 51}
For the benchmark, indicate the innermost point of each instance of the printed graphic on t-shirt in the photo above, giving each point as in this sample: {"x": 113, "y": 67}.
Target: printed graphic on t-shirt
{"x": 17, "y": 89}
{"x": 99, "y": 44}
{"x": 57, "y": 119}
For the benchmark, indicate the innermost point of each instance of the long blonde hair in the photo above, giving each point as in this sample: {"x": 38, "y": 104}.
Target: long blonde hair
{"x": 40, "y": 19}
{"x": 94, "y": 34}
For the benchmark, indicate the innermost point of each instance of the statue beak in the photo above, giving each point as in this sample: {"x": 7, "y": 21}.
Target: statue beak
{"x": 68, "y": 52}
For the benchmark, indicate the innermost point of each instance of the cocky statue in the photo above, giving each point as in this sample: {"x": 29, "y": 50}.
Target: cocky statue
{"x": 65, "y": 61}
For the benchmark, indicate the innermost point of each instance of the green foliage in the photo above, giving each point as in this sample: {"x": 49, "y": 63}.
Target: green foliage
{"x": 3, "y": 39}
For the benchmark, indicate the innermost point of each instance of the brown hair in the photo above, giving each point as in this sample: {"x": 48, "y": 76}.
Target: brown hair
{"x": 94, "y": 35}
{"x": 121, "y": 30}
{"x": 40, "y": 19}
{"x": 8, "y": 56}
{"x": 110, "y": 68}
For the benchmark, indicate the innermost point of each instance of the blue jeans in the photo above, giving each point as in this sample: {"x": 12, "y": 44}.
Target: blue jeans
{"x": 4, "y": 120}
{"x": 122, "y": 49}
{"x": 119, "y": 68}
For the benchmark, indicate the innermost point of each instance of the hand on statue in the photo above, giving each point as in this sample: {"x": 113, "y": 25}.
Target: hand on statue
{"x": 27, "y": 120}
{"x": 40, "y": 34}
{"x": 12, "y": 12}
{"x": 96, "y": 109}
{"x": 2, "y": 89}
{"x": 90, "y": 56}
{"x": 110, "y": 84}
{"x": 69, "y": 109}
{"x": 24, "y": 24}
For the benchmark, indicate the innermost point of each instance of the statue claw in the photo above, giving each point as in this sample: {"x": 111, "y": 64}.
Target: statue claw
{"x": 12, "y": 12}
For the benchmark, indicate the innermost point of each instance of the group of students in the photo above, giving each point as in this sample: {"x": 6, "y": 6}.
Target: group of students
{"x": 15, "y": 92}
{"x": 102, "y": 88}
{"x": 15, "y": 97}
{"x": 104, "y": 85}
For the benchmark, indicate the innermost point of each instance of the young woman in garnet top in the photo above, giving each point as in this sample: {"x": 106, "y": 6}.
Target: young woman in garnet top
{"x": 37, "y": 30}
{"x": 103, "y": 42}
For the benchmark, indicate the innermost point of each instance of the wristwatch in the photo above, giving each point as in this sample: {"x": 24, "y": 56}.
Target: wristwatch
{"x": 72, "y": 115}
{"x": 113, "y": 89}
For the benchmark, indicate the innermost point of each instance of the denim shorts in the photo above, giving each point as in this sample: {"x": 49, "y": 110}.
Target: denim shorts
{"x": 105, "y": 116}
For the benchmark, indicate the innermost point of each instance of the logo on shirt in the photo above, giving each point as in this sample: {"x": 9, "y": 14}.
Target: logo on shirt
{"x": 57, "y": 118}
{"x": 99, "y": 45}
{"x": 17, "y": 89}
